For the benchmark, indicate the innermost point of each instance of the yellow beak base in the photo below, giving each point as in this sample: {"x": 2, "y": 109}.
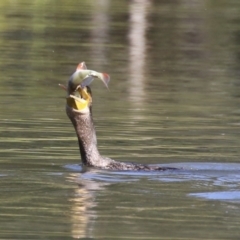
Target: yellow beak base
{"x": 79, "y": 103}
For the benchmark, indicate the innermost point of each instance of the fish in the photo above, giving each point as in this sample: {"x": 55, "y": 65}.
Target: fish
{"x": 83, "y": 77}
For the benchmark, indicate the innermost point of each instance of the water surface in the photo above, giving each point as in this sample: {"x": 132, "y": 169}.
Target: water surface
{"x": 173, "y": 101}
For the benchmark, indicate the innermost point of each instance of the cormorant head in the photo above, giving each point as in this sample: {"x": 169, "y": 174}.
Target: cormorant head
{"x": 79, "y": 96}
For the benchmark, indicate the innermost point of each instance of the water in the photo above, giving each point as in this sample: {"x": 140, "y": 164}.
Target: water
{"x": 173, "y": 101}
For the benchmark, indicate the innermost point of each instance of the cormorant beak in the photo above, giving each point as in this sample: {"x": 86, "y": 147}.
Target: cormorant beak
{"x": 79, "y": 99}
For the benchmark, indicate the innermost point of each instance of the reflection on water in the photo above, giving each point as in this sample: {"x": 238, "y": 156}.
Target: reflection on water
{"x": 173, "y": 100}
{"x": 137, "y": 50}
{"x": 100, "y": 31}
{"x": 82, "y": 201}
{"x": 94, "y": 189}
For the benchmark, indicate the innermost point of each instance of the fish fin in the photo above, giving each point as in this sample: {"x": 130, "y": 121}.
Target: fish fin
{"x": 87, "y": 81}
{"x": 105, "y": 78}
{"x": 62, "y": 86}
{"x": 81, "y": 66}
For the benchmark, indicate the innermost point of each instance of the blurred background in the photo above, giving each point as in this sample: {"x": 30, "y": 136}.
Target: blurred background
{"x": 174, "y": 98}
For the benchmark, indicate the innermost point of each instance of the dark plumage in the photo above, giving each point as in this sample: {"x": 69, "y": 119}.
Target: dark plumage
{"x": 79, "y": 111}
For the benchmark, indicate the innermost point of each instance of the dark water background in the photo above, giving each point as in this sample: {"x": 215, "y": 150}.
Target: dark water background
{"x": 174, "y": 99}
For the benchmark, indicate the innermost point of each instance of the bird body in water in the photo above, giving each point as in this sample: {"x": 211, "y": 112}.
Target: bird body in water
{"x": 79, "y": 111}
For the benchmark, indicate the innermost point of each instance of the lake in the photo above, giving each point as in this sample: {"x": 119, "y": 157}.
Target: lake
{"x": 173, "y": 100}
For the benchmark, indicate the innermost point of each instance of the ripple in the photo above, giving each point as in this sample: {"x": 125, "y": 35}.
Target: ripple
{"x": 225, "y": 195}
{"x": 216, "y": 174}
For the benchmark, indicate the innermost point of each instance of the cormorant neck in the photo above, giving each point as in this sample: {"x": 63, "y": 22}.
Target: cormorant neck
{"x": 84, "y": 127}
{"x": 83, "y": 124}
